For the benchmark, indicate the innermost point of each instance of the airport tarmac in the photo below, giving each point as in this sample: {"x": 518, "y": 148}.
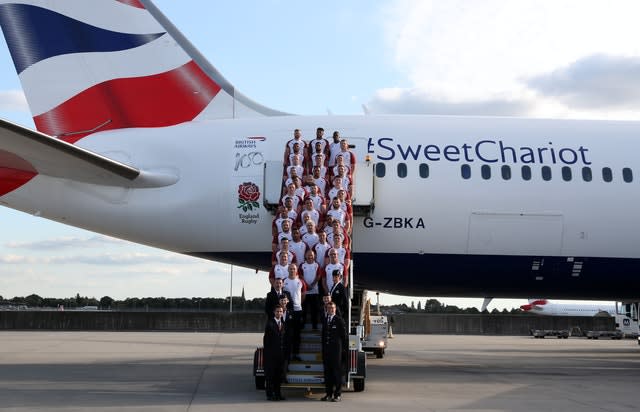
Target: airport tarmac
{"x": 157, "y": 371}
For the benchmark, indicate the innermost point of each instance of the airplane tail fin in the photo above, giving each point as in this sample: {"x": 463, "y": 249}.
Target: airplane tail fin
{"x": 534, "y": 304}
{"x": 88, "y": 66}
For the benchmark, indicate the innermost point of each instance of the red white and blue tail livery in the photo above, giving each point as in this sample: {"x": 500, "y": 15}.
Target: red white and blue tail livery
{"x": 89, "y": 66}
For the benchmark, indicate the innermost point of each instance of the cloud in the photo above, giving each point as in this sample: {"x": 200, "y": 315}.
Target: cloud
{"x": 15, "y": 259}
{"x": 515, "y": 58}
{"x": 102, "y": 259}
{"x": 13, "y": 100}
{"x": 66, "y": 242}
{"x": 416, "y": 101}
{"x": 593, "y": 81}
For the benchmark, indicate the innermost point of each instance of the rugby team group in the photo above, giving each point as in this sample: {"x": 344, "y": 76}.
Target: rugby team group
{"x": 310, "y": 260}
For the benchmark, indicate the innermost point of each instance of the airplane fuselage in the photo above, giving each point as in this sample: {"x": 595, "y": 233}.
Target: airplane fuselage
{"x": 463, "y": 206}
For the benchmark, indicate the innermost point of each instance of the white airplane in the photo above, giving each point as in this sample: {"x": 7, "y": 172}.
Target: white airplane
{"x": 141, "y": 138}
{"x": 545, "y": 307}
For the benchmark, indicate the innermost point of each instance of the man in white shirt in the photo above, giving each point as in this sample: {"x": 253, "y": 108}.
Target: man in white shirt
{"x": 349, "y": 158}
{"x": 319, "y": 140}
{"x": 321, "y": 248}
{"x": 308, "y": 209}
{"x": 334, "y": 148}
{"x": 312, "y": 275}
{"x": 297, "y": 289}
{"x": 311, "y": 238}
{"x": 297, "y": 246}
{"x": 317, "y": 199}
{"x": 333, "y": 265}
{"x": 280, "y": 270}
{"x": 297, "y": 138}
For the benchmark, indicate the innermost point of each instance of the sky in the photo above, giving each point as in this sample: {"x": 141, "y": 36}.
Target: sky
{"x": 569, "y": 59}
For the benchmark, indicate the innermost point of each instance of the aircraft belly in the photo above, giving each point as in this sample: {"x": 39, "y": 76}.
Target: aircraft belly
{"x": 477, "y": 275}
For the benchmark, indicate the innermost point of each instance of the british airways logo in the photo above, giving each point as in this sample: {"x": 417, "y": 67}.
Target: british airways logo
{"x": 486, "y": 151}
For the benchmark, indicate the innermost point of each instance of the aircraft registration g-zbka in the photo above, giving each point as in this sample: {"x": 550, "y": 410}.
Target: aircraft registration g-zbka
{"x": 141, "y": 138}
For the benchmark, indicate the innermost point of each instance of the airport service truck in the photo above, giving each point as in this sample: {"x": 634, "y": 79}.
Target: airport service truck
{"x": 375, "y": 337}
{"x": 627, "y": 318}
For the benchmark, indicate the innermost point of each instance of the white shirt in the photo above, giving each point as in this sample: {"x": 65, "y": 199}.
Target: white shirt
{"x": 299, "y": 171}
{"x": 329, "y": 271}
{"x": 309, "y": 273}
{"x": 313, "y": 214}
{"x": 293, "y": 141}
{"x": 294, "y": 287}
{"x": 321, "y": 251}
{"x": 310, "y": 239}
{"x": 317, "y": 201}
{"x": 281, "y": 272}
{"x": 337, "y": 214}
{"x": 295, "y": 200}
{"x": 298, "y": 248}
{"x": 278, "y": 223}
{"x": 334, "y": 149}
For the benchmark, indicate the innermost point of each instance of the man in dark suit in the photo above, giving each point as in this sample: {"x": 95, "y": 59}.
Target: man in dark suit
{"x": 335, "y": 345}
{"x": 289, "y": 323}
{"x": 324, "y": 312}
{"x": 339, "y": 295}
{"x": 275, "y": 349}
{"x": 273, "y": 297}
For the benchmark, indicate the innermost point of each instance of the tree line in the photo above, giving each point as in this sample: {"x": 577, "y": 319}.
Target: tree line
{"x": 211, "y": 304}
{"x": 141, "y": 304}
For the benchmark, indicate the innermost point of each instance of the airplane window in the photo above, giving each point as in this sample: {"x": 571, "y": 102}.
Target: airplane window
{"x": 586, "y": 174}
{"x": 566, "y": 173}
{"x": 506, "y": 172}
{"x": 465, "y": 170}
{"x": 424, "y": 170}
{"x": 526, "y": 172}
{"x": 607, "y": 175}
{"x": 546, "y": 173}
{"x": 402, "y": 170}
{"x": 380, "y": 169}
{"x": 485, "y": 171}
{"x": 627, "y": 175}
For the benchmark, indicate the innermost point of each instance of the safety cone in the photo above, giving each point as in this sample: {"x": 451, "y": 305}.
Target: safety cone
{"x": 390, "y": 334}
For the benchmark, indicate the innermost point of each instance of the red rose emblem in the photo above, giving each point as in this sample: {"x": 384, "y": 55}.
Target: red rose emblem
{"x": 248, "y": 195}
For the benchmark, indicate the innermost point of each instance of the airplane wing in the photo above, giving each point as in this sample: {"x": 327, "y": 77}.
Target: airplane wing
{"x": 29, "y": 151}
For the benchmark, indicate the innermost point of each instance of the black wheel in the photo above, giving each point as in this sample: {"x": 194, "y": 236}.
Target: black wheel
{"x": 358, "y": 384}
{"x": 260, "y": 382}
{"x": 380, "y": 353}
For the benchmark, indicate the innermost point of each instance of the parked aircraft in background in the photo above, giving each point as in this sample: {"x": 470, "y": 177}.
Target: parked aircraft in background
{"x": 545, "y": 307}
{"x": 141, "y": 138}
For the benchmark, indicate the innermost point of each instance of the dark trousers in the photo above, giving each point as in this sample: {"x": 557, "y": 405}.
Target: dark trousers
{"x": 310, "y": 308}
{"x": 273, "y": 375}
{"x": 332, "y": 374}
{"x": 297, "y": 327}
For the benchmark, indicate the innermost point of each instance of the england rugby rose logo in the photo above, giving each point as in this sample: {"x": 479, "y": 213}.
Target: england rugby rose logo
{"x": 248, "y": 195}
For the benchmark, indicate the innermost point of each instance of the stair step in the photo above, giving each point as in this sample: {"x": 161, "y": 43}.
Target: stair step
{"x": 310, "y": 347}
{"x": 310, "y": 332}
{"x": 305, "y": 367}
{"x": 304, "y": 385}
{"x": 302, "y": 378}
{"x": 310, "y": 357}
